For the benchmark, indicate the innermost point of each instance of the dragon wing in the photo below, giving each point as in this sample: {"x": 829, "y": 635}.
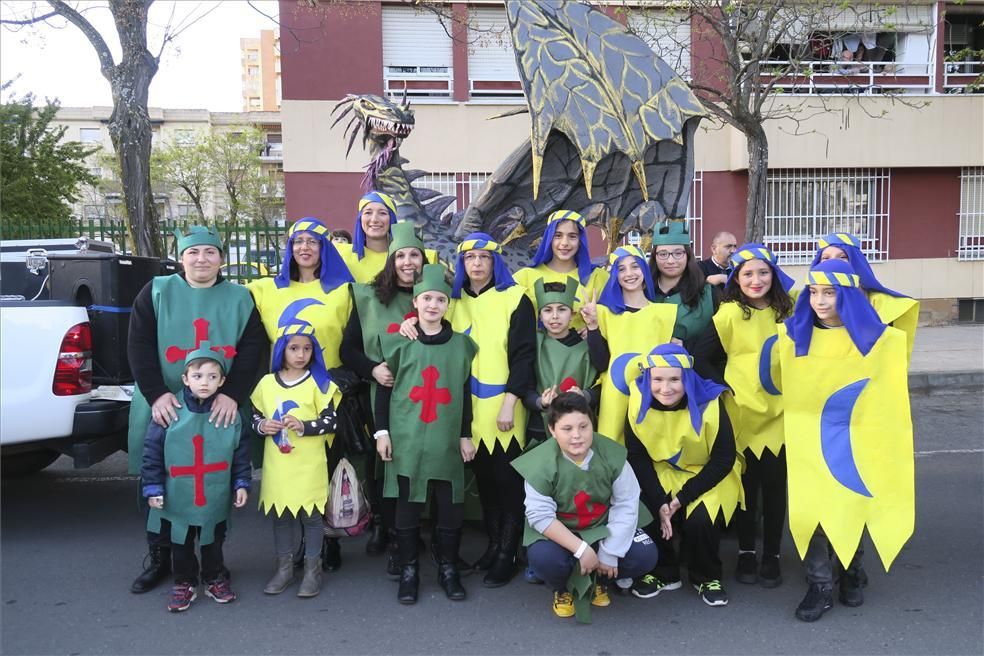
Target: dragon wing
{"x": 602, "y": 87}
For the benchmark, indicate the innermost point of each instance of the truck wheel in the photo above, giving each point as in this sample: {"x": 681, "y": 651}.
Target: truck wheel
{"x": 22, "y": 464}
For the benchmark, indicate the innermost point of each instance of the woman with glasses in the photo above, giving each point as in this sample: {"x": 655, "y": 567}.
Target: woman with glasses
{"x": 680, "y": 281}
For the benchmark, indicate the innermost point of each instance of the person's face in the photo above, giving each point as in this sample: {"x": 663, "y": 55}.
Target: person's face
{"x": 375, "y": 220}
{"x": 630, "y": 276}
{"x": 724, "y": 248}
{"x": 833, "y": 253}
{"x": 204, "y": 379}
{"x": 201, "y": 264}
{"x": 339, "y": 239}
{"x": 478, "y": 267}
{"x": 306, "y": 250}
{"x": 431, "y": 306}
{"x": 556, "y": 319}
{"x": 298, "y": 352}
{"x": 574, "y": 434}
{"x": 823, "y": 300}
{"x": 671, "y": 260}
{"x": 666, "y": 384}
{"x": 566, "y": 240}
{"x": 409, "y": 263}
{"x": 755, "y": 279}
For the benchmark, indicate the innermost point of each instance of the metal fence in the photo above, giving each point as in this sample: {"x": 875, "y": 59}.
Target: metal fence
{"x": 971, "y": 246}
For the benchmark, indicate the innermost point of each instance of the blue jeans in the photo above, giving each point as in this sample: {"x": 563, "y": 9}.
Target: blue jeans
{"x": 553, "y": 563}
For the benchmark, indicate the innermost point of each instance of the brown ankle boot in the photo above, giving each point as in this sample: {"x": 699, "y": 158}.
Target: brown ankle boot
{"x": 283, "y": 577}
{"x": 311, "y": 583}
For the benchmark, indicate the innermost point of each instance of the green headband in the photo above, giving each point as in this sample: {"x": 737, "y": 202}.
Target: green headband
{"x": 566, "y": 297}
{"x": 433, "y": 279}
{"x": 674, "y": 233}
{"x": 403, "y": 235}
{"x": 198, "y": 236}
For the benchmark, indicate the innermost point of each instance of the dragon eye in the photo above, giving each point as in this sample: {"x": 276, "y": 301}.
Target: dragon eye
{"x": 367, "y": 105}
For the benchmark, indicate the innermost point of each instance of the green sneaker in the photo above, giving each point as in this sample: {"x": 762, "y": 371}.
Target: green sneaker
{"x": 650, "y": 586}
{"x": 712, "y": 594}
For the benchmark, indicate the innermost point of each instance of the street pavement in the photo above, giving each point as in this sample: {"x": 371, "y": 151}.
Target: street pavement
{"x": 72, "y": 541}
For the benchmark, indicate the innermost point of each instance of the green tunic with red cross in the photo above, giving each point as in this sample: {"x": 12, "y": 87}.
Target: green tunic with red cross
{"x": 186, "y": 317}
{"x": 426, "y": 409}
{"x": 198, "y": 487}
{"x": 562, "y": 365}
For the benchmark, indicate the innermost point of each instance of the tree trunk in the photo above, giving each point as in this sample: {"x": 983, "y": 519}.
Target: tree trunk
{"x": 758, "y": 170}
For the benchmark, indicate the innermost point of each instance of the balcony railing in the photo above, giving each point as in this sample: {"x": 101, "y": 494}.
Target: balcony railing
{"x": 959, "y": 74}
{"x": 835, "y": 77}
{"x": 480, "y": 88}
{"x": 272, "y": 152}
{"x": 419, "y": 81}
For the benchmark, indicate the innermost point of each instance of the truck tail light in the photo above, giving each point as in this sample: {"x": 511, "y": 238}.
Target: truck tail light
{"x": 73, "y": 373}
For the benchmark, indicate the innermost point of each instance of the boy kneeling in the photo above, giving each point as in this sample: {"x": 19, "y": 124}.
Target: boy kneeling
{"x": 582, "y": 504}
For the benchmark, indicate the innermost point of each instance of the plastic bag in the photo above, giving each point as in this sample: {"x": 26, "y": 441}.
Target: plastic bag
{"x": 347, "y": 513}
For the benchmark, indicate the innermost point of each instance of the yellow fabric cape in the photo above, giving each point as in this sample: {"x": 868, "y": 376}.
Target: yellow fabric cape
{"x": 527, "y": 277}
{"x": 898, "y": 312}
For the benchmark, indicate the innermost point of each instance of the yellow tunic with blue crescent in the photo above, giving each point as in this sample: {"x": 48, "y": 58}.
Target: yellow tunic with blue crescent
{"x": 848, "y": 441}
{"x": 297, "y": 480}
{"x": 304, "y": 303}
{"x": 754, "y": 403}
{"x": 628, "y": 335}
{"x": 678, "y": 452}
{"x": 898, "y": 312}
{"x": 485, "y": 318}
{"x": 372, "y": 262}
{"x": 527, "y": 277}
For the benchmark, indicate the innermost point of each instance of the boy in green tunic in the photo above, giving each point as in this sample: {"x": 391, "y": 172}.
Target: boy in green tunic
{"x": 430, "y": 441}
{"x": 582, "y": 510}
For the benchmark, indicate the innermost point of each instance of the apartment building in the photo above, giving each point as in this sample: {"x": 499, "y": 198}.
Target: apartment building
{"x": 260, "y": 58}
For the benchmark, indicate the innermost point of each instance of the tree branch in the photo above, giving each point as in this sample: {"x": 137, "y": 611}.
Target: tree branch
{"x": 106, "y": 63}
{"x": 29, "y": 21}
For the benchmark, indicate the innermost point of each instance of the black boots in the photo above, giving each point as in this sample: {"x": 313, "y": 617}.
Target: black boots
{"x": 331, "y": 554}
{"x": 447, "y": 542}
{"x": 818, "y": 600}
{"x": 406, "y": 540}
{"x": 493, "y": 527}
{"x": 378, "y": 537}
{"x": 156, "y": 571}
{"x": 503, "y": 567}
{"x": 851, "y": 580}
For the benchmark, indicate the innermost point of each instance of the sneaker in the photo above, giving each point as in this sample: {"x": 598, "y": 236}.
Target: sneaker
{"x": 770, "y": 576}
{"x": 745, "y": 570}
{"x": 182, "y": 594}
{"x": 818, "y": 600}
{"x": 530, "y": 576}
{"x": 600, "y": 597}
{"x": 220, "y": 591}
{"x": 563, "y": 604}
{"x": 650, "y": 586}
{"x": 711, "y": 593}
{"x": 849, "y": 591}
{"x": 623, "y": 587}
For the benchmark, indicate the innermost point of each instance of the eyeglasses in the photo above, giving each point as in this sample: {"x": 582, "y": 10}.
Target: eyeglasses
{"x": 313, "y": 243}
{"x": 665, "y": 255}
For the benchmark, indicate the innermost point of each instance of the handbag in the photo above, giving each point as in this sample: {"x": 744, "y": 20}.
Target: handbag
{"x": 353, "y": 414}
{"x": 347, "y": 512}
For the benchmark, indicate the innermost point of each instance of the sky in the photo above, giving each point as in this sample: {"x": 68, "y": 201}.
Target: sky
{"x": 199, "y": 70}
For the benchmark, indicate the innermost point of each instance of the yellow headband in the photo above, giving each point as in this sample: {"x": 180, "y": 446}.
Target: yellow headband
{"x": 833, "y": 278}
{"x": 566, "y": 215}
{"x": 625, "y": 251}
{"x": 841, "y": 238}
{"x": 479, "y": 245}
{"x": 296, "y": 329}
{"x": 307, "y": 226}
{"x": 669, "y": 360}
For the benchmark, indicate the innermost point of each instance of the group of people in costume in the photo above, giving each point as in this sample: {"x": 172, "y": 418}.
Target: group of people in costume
{"x": 615, "y": 418}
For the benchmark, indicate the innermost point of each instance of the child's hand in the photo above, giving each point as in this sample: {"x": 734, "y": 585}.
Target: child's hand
{"x": 381, "y": 372}
{"x": 156, "y": 502}
{"x": 241, "y": 496}
{"x": 409, "y": 328}
{"x": 548, "y": 396}
{"x": 468, "y": 449}
{"x": 608, "y": 571}
{"x": 676, "y": 340}
{"x": 505, "y": 418}
{"x": 666, "y": 512}
{"x": 294, "y": 424}
{"x": 589, "y": 311}
{"x": 271, "y": 427}
{"x": 384, "y": 447}
{"x": 589, "y": 561}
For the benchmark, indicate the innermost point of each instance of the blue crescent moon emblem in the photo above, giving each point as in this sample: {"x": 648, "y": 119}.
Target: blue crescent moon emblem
{"x": 616, "y": 372}
{"x": 287, "y": 407}
{"x": 467, "y": 331}
{"x": 765, "y": 367}
{"x": 485, "y": 390}
{"x": 835, "y": 436}
{"x": 289, "y": 315}
{"x": 675, "y": 459}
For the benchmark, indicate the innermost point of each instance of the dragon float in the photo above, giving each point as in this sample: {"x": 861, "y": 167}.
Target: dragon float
{"x": 612, "y": 137}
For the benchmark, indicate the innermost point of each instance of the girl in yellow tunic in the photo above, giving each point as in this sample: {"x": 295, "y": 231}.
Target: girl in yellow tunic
{"x": 737, "y": 349}
{"x": 295, "y": 406}
{"x": 366, "y": 255}
{"x": 893, "y": 308}
{"x": 682, "y": 450}
{"x": 562, "y": 254}
{"x": 497, "y": 314}
{"x": 311, "y": 288}
{"x": 623, "y": 324}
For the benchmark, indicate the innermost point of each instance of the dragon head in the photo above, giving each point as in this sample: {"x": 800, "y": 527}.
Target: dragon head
{"x": 383, "y": 125}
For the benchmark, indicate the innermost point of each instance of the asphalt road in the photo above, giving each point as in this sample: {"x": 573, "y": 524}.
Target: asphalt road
{"x": 72, "y": 541}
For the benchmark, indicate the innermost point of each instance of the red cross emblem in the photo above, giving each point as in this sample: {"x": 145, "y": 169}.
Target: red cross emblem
{"x": 587, "y": 512}
{"x": 567, "y": 384}
{"x": 177, "y": 354}
{"x": 199, "y": 469}
{"x": 430, "y": 394}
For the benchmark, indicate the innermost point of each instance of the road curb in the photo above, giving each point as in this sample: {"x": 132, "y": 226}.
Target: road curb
{"x": 928, "y": 381}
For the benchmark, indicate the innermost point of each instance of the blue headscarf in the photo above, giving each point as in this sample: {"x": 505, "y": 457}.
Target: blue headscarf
{"x": 479, "y": 241}
{"x": 317, "y": 365}
{"x": 699, "y": 391}
{"x": 851, "y": 245}
{"x": 860, "y": 319}
{"x": 545, "y": 252}
{"x": 753, "y": 251}
{"x": 333, "y": 271}
{"x": 359, "y": 238}
{"x": 611, "y": 296}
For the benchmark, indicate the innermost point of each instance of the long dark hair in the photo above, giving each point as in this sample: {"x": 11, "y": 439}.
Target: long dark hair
{"x": 778, "y": 298}
{"x": 387, "y": 283}
{"x": 691, "y": 285}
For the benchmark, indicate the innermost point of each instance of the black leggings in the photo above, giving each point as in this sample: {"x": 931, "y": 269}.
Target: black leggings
{"x": 500, "y": 487}
{"x": 768, "y": 476}
{"x": 450, "y": 515}
{"x": 700, "y": 538}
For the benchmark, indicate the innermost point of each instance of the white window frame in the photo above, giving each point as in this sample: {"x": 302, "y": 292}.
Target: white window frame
{"x": 695, "y": 214}
{"x": 464, "y": 186}
{"x": 492, "y": 72}
{"x": 86, "y": 134}
{"x": 971, "y": 216}
{"x": 416, "y": 51}
{"x": 662, "y": 29}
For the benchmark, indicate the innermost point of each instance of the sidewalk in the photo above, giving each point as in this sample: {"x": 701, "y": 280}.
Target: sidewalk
{"x": 947, "y": 356}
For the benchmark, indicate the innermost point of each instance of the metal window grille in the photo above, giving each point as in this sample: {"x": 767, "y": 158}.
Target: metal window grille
{"x": 971, "y": 246}
{"x": 803, "y": 205}
{"x": 462, "y": 186}
{"x": 695, "y": 213}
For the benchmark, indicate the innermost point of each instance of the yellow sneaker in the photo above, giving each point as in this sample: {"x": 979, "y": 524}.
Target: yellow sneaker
{"x": 600, "y": 597}
{"x": 563, "y": 604}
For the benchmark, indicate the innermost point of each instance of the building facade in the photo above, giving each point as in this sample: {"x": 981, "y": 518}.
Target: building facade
{"x": 260, "y": 60}
{"x": 908, "y": 177}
